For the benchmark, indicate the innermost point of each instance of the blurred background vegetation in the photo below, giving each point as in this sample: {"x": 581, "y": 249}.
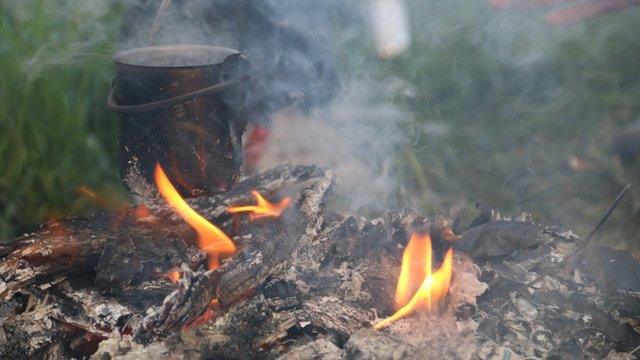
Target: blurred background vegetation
{"x": 506, "y": 109}
{"x": 56, "y": 134}
{"x": 529, "y": 112}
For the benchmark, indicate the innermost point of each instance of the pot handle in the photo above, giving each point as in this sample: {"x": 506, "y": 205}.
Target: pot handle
{"x": 155, "y": 105}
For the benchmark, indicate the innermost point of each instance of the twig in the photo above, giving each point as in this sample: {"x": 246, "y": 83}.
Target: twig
{"x": 155, "y": 25}
{"x": 583, "y": 244}
{"x": 606, "y": 215}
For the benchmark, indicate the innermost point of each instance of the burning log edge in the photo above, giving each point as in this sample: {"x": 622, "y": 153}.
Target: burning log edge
{"x": 196, "y": 290}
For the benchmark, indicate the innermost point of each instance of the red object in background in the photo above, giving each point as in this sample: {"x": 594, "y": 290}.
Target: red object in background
{"x": 588, "y": 10}
{"x": 254, "y": 147}
{"x": 573, "y": 12}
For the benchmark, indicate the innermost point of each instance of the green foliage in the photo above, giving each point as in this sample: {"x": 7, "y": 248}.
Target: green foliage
{"x": 56, "y": 134}
{"x": 519, "y": 98}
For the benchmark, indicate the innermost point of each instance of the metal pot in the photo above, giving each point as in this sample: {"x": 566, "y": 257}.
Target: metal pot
{"x": 180, "y": 106}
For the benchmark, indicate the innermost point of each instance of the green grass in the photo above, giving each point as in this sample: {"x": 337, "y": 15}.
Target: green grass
{"x": 56, "y": 133}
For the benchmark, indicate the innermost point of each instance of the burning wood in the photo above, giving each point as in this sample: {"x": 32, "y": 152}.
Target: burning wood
{"x": 309, "y": 283}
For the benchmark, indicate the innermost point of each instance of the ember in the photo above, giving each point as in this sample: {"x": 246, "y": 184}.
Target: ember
{"x": 212, "y": 309}
{"x": 215, "y": 243}
{"x": 416, "y": 273}
{"x": 173, "y": 276}
{"x": 263, "y": 207}
{"x": 141, "y": 211}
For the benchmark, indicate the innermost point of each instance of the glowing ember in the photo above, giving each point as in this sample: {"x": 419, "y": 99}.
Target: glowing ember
{"x": 87, "y": 192}
{"x": 57, "y": 228}
{"x": 416, "y": 273}
{"x": 173, "y": 276}
{"x": 215, "y": 243}
{"x": 141, "y": 212}
{"x": 262, "y": 209}
{"x": 212, "y": 310}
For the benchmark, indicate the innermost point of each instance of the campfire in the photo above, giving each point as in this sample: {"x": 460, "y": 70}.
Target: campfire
{"x": 244, "y": 275}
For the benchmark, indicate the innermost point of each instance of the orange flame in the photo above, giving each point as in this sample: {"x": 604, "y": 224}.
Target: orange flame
{"x": 416, "y": 269}
{"x": 262, "y": 209}
{"x": 215, "y": 243}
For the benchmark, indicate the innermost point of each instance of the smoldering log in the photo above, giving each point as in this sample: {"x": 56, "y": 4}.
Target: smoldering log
{"x": 333, "y": 275}
{"x": 49, "y": 253}
{"x": 84, "y": 243}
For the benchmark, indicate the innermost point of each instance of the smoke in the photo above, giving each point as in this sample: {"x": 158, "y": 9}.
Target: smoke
{"x": 82, "y": 30}
{"x": 478, "y": 103}
{"x": 359, "y": 141}
{"x": 343, "y": 117}
{"x": 320, "y": 108}
{"x": 334, "y": 101}
{"x": 178, "y": 22}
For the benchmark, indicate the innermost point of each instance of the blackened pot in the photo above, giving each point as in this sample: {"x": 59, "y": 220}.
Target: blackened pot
{"x": 180, "y": 106}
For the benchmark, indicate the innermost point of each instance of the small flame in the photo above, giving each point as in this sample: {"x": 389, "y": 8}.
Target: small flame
{"x": 416, "y": 265}
{"x": 416, "y": 269}
{"x": 110, "y": 203}
{"x": 215, "y": 243}
{"x": 263, "y": 208}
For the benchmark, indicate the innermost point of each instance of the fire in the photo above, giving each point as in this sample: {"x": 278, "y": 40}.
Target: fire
{"x": 263, "y": 208}
{"x": 215, "y": 243}
{"x": 416, "y": 273}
